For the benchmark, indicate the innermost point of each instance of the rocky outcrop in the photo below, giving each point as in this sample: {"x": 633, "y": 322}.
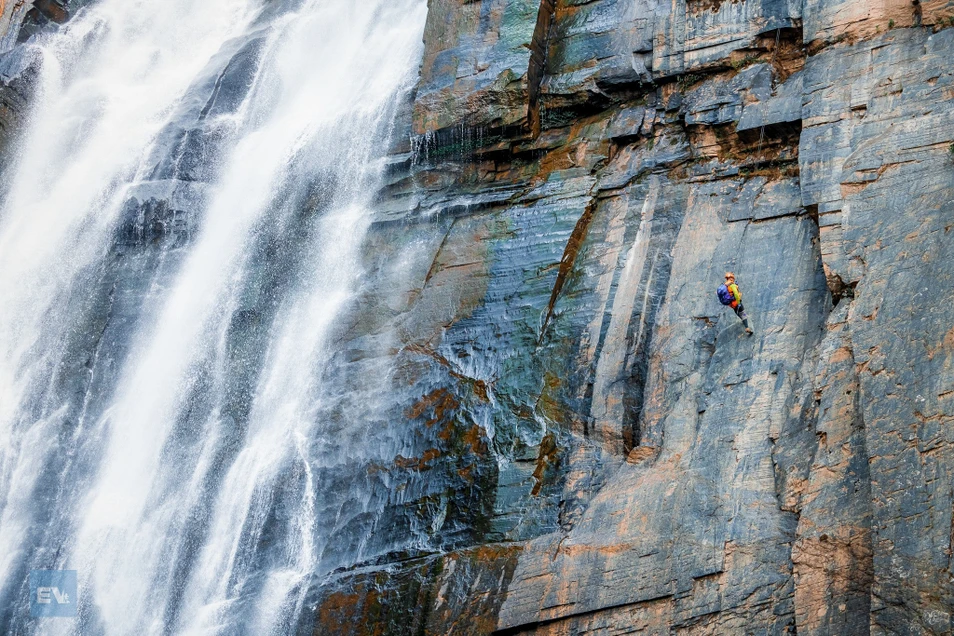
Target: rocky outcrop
{"x": 19, "y": 20}
{"x": 579, "y": 177}
{"x": 14, "y": 95}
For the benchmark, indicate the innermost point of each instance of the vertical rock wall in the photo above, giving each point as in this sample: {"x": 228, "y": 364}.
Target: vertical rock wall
{"x": 591, "y": 169}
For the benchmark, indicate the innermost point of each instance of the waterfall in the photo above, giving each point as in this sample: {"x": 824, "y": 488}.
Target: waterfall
{"x": 180, "y": 233}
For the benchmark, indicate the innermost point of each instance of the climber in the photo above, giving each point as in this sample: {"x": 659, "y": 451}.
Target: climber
{"x": 730, "y": 295}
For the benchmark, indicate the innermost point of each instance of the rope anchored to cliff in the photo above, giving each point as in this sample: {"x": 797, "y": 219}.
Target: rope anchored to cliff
{"x": 778, "y": 32}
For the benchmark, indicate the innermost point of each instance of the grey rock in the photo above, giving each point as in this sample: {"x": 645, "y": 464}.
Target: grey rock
{"x": 797, "y": 479}
{"x": 782, "y": 107}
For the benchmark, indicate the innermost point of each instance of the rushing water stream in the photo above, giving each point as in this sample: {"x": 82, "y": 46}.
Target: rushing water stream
{"x": 180, "y": 230}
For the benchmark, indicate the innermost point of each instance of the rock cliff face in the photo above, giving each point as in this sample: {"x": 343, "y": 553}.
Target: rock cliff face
{"x": 585, "y": 441}
{"x": 581, "y": 173}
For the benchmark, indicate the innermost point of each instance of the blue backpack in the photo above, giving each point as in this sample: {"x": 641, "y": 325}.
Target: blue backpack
{"x": 725, "y": 296}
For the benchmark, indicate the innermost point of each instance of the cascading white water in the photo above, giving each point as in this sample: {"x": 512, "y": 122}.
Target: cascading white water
{"x": 107, "y": 86}
{"x": 174, "y": 528}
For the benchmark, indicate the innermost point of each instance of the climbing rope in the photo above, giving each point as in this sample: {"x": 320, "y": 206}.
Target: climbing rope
{"x": 778, "y": 32}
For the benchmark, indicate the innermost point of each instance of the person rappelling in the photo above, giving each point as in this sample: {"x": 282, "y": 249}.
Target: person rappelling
{"x": 730, "y": 295}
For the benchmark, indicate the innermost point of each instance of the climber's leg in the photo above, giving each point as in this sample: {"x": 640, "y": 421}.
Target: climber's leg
{"x": 744, "y": 317}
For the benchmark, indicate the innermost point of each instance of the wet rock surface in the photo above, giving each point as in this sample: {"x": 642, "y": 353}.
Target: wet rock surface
{"x": 656, "y": 470}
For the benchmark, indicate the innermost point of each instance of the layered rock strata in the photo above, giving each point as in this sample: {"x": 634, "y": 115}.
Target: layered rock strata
{"x": 584, "y": 172}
